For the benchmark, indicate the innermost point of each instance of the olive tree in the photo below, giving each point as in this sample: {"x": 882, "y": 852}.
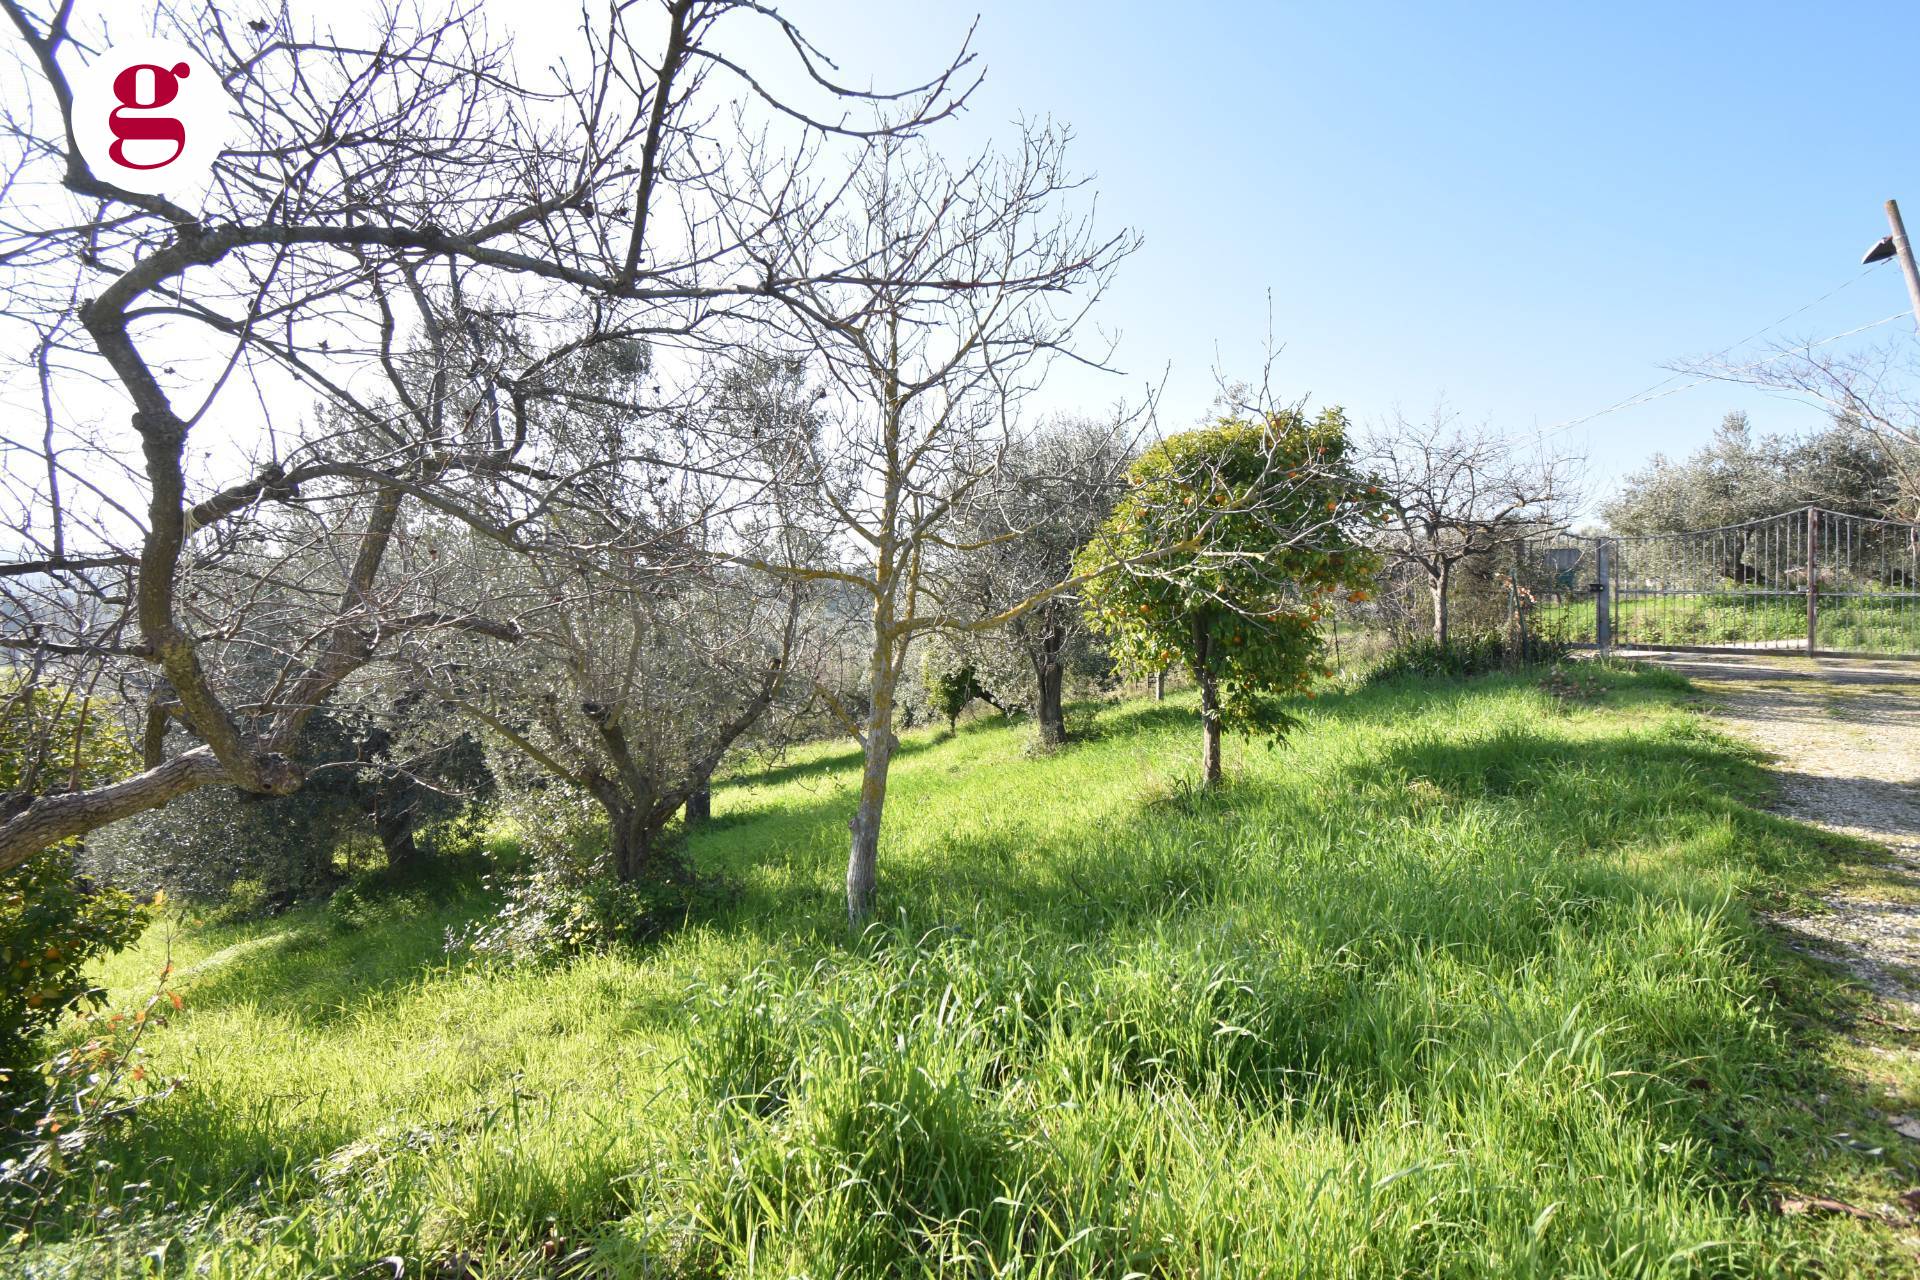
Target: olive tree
{"x": 1872, "y": 392}
{"x": 643, "y": 650}
{"x": 633, "y": 693}
{"x": 396, "y": 772}
{"x": 1017, "y": 538}
{"x": 1739, "y": 476}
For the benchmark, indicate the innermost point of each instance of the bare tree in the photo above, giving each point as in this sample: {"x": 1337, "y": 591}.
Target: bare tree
{"x": 383, "y": 180}
{"x": 1456, "y": 493}
{"x": 1874, "y": 390}
{"x": 971, "y": 280}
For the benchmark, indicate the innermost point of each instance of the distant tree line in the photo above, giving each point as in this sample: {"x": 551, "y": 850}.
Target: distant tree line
{"x": 1741, "y": 475}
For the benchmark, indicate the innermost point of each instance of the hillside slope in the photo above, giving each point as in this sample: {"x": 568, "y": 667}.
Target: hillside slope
{"x": 1460, "y": 980}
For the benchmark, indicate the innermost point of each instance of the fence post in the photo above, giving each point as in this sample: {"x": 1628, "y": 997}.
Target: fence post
{"x": 1813, "y": 579}
{"x": 1602, "y": 596}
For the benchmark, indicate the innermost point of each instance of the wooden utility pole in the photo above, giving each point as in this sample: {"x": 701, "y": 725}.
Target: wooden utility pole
{"x": 1904, "y": 250}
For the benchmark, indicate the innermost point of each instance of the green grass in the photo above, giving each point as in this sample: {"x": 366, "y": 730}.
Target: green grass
{"x": 1859, "y": 624}
{"x": 1462, "y": 980}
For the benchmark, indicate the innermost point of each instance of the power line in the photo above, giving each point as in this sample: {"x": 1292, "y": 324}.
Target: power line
{"x": 1722, "y": 376}
{"x": 1655, "y": 392}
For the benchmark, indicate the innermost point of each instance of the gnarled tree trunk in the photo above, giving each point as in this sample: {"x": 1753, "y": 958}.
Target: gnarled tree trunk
{"x": 1049, "y": 712}
{"x": 637, "y": 855}
{"x": 633, "y": 831}
{"x": 700, "y": 805}
{"x": 393, "y": 821}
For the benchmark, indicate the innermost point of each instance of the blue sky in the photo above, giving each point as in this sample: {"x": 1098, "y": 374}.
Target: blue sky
{"x": 1527, "y": 209}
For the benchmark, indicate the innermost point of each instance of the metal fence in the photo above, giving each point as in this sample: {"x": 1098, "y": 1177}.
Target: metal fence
{"x": 1807, "y": 581}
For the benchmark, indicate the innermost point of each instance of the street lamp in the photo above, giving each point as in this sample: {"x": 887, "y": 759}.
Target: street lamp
{"x": 1897, "y": 246}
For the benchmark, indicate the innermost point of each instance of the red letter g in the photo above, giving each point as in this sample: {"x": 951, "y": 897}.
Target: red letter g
{"x": 166, "y": 87}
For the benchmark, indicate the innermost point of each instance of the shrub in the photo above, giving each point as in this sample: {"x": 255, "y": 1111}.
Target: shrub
{"x": 52, "y": 925}
{"x": 53, "y": 921}
{"x": 1465, "y": 656}
{"x": 92, "y": 1081}
{"x": 949, "y": 691}
{"x": 220, "y": 843}
{"x": 546, "y": 916}
{"x": 562, "y": 899}
{"x": 1458, "y": 657}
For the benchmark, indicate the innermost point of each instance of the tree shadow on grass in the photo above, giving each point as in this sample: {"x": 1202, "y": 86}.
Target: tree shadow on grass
{"x": 316, "y": 972}
{"x": 1082, "y": 897}
{"x": 1008, "y": 871}
{"x": 304, "y": 966}
{"x": 845, "y": 759}
{"x": 1108, "y": 721}
{"x": 1601, "y": 843}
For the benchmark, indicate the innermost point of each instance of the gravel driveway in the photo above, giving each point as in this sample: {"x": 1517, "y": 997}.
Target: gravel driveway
{"x": 1845, "y": 737}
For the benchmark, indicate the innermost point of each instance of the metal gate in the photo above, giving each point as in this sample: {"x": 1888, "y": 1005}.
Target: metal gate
{"x": 1810, "y": 581}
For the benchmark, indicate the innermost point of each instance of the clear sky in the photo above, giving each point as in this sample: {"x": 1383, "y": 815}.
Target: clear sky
{"x": 1529, "y": 209}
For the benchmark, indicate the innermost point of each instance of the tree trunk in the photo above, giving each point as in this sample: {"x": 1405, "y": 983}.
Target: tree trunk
{"x": 1209, "y": 729}
{"x": 1438, "y": 581}
{"x": 1160, "y": 686}
{"x": 863, "y": 858}
{"x": 700, "y": 805}
{"x": 393, "y": 820}
{"x": 637, "y": 854}
{"x": 1051, "y": 715}
{"x": 1209, "y": 705}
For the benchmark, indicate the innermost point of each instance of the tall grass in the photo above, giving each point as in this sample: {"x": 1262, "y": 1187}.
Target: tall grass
{"x": 1462, "y": 980}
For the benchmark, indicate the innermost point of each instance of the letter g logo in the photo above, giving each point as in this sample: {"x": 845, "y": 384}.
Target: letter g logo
{"x": 150, "y": 117}
{"x": 165, "y": 82}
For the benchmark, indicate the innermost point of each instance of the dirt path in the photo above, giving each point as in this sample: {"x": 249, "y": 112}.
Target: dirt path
{"x": 1845, "y": 734}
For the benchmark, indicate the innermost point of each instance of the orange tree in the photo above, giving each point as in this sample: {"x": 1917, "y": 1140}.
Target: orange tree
{"x": 1267, "y": 517}
{"x": 52, "y": 921}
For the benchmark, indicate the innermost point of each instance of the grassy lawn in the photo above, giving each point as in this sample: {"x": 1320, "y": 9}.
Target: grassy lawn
{"x": 1461, "y": 980}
